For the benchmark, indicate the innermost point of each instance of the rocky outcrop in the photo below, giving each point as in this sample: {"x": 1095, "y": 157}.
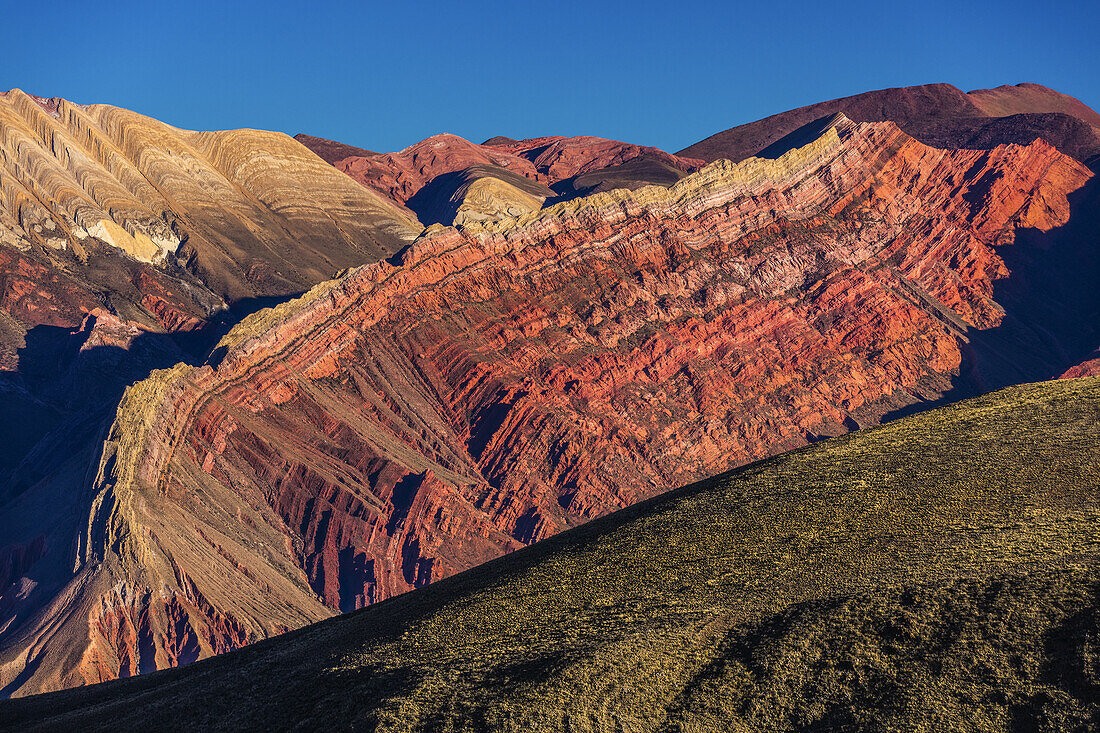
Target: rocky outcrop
{"x": 501, "y": 381}
{"x": 491, "y": 198}
{"x": 479, "y": 192}
{"x": 1087, "y": 368}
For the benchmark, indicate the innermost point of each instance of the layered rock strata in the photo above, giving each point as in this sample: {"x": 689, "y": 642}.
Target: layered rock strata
{"x": 176, "y": 232}
{"x": 499, "y": 382}
{"x": 248, "y": 212}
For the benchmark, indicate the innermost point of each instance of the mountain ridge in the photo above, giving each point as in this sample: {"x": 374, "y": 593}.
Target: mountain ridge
{"x": 494, "y": 382}
{"x": 408, "y": 420}
{"x": 940, "y": 115}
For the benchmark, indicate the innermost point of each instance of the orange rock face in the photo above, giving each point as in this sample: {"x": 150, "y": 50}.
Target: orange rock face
{"x": 494, "y": 385}
{"x": 591, "y": 357}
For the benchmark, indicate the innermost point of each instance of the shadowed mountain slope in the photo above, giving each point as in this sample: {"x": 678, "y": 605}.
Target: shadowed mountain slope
{"x": 559, "y": 158}
{"x": 645, "y": 170}
{"x": 479, "y": 192}
{"x": 940, "y": 572}
{"x": 503, "y": 381}
{"x": 936, "y": 114}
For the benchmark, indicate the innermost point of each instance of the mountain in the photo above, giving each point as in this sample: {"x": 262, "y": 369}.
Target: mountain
{"x": 249, "y": 213}
{"x": 127, "y": 246}
{"x": 500, "y": 382}
{"x": 188, "y": 470}
{"x": 936, "y": 114}
{"x": 429, "y": 172}
{"x": 1031, "y": 98}
{"x": 936, "y": 573}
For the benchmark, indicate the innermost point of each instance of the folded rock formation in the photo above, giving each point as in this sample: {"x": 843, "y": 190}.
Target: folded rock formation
{"x": 936, "y": 573}
{"x": 502, "y": 381}
{"x": 104, "y": 210}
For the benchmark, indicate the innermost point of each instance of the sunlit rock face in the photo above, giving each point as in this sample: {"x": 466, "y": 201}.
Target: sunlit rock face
{"x": 247, "y": 212}
{"x": 501, "y": 381}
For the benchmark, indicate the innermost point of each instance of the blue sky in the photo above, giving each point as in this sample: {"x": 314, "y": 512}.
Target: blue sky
{"x": 384, "y": 75}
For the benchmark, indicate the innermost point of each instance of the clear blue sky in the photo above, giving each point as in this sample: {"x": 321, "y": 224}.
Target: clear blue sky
{"x": 384, "y": 75}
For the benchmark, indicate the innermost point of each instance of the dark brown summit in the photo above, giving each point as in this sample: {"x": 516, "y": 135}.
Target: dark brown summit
{"x": 940, "y": 115}
{"x": 329, "y": 150}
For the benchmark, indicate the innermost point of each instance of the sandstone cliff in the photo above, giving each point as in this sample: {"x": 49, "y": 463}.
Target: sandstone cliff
{"x": 502, "y": 381}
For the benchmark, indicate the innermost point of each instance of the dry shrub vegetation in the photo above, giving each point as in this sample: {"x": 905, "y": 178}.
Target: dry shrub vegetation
{"x": 936, "y": 573}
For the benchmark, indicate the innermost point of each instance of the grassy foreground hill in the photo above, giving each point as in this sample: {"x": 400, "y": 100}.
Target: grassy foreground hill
{"x": 936, "y": 573}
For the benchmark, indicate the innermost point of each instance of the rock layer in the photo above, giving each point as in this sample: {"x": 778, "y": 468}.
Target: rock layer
{"x": 936, "y": 573}
{"x": 249, "y": 212}
{"x": 500, "y": 382}
{"x": 104, "y": 210}
{"x": 127, "y": 245}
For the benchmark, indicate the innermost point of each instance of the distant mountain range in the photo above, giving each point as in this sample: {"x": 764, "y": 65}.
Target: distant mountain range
{"x": 936, "y": 114}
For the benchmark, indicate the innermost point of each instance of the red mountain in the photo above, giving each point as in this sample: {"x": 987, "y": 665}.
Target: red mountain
{"x": 421, "y": 174}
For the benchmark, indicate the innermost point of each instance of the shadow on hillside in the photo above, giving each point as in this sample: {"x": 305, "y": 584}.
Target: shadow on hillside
{"x": 644, "y": 170}
{"x": 432, "y": 203}
{"x": 65, "y": 393}
{"x": 804, "y": 135}
{"x": 437, "y": 203}
{"x": 1052, "y": 308}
